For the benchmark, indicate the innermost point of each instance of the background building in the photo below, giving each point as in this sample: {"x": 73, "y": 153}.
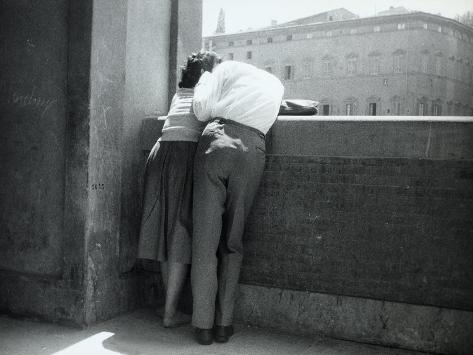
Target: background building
{"x": 397, "y": 63}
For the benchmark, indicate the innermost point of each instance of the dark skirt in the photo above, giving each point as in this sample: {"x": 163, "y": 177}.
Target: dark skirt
{"x": 166, "y": 222}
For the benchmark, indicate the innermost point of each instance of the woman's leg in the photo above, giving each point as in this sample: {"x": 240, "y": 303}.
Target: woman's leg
{"x": 174, "y": 276}
{"x": 164, "y": 273}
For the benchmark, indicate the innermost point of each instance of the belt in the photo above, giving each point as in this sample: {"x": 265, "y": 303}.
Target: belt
{"x": 238, "y": 124}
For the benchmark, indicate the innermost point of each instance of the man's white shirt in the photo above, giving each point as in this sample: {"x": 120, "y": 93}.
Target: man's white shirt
{"x": 240, "y": 92}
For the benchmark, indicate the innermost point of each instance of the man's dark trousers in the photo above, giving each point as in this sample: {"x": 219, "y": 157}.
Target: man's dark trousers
{"x": 228, "y": 167}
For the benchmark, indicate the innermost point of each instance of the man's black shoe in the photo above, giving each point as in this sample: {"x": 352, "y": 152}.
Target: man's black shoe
{"x": 223, "y": 333}
{"x": 204, "y": 336}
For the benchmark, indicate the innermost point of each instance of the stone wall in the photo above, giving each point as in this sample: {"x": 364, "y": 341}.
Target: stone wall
{"x": 36, "y": 278}
{"x": 372, "y": 209}
{"x": 33, "y": 98}
{"x": 77, "y": 77}
{"x": 362, "y": 230}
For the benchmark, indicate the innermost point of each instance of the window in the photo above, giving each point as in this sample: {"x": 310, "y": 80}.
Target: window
{"x": 325, "y": 110}
{"x": 372, "y": 109}
{"x": 438, "y": 65}
{"x": 373, "y": 105}
{"x": 268, "y": 69}
{"x": 327, "y": 65}
{"x": 328, "y": 33}
{"x": 288, "y": 72}
{"x": 457, "y": 111}
{"x": 374, "y": 65}
{"x": 352, "y": 65}
{"x": 376, "y": 28}
{"x": 307, "y": 68}
{"x": 424, "y": 63}
{"x": 353, "y": 31}
{"x": 249, "y": 55}
{"x": 349, "y": 109}
{"x": 330, "y": 18}
{"x": 401, "y": 26}
{"x": 231, "y": 43}
{"x": 451, "y": 66}
{"x": 269, "y": 40}
{"x": 421, "y": 109}
{"x": 436, "y": 109}
{"x": 426, "y": 26}
{"x": 309, "y": 35}
{"x": 397, "y": 107}
{"x": 230, "y": 56}
{"x": 289, "y": 37}
{"x": 450, "y": 108}
{"x": 249, "y": 42}
{"x": 398, "y": 63}
{"x": 458, "y": 69}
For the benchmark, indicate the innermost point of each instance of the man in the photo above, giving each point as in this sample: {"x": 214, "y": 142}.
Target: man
{"x": 241, "y": 102}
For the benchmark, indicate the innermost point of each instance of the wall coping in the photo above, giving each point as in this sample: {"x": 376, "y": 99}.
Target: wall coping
{"x": 468, "y": 119}
{"x": 412, "y": 137}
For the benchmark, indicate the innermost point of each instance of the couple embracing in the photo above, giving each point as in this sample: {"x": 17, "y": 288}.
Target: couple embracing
{"x": 200, "y": 181}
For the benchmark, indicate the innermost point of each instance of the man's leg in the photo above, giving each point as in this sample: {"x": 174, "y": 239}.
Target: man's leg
{"x": 209, "y": 199}
{"x": 241, "y": 191}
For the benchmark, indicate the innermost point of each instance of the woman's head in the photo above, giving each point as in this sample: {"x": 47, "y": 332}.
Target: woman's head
{"x": 196, "y": 64}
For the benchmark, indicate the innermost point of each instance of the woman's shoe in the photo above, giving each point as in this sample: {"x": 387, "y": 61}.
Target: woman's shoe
{"x": 223, "y": 333}
{"x": 204, "y": 336}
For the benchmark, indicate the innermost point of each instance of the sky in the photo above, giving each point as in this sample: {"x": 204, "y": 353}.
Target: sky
{"x": 245, "y": 14}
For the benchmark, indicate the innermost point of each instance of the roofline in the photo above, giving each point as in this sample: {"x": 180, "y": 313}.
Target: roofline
{"x": 318, "y": 14}
{"x": 356, "y": 20}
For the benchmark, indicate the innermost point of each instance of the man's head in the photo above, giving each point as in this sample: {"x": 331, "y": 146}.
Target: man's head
{"x": 196, "y": 64}
{"x": 210, "y": 60}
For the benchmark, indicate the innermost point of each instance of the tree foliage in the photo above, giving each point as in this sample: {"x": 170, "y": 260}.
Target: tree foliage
{"x": 466, "y": 18}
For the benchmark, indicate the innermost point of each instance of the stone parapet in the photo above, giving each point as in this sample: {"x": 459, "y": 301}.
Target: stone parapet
{"x": 362, "y": 229}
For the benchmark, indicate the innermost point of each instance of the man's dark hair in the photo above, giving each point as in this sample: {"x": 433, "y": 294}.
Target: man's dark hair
{"x": 196, "y": 62}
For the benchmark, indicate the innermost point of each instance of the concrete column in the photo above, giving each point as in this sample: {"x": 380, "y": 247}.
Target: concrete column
{"x": 45, "y": 60}
{"x": 81, "y": 76}
{"x": 186, "y": 37}
{"x": 105, "y": 294}
{"x": 146, "y": 94}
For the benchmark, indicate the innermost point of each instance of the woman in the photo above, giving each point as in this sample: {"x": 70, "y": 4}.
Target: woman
{"x": 166, "y": 224}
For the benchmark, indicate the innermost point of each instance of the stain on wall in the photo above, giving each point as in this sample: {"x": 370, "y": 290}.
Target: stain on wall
{"x": 33, "y": 58}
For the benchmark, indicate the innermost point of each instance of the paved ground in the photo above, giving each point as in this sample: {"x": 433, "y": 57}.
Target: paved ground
{"x": 141, "y": 333}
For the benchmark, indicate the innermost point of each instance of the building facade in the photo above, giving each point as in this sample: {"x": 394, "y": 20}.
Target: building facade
{"x": 411, "y": 63}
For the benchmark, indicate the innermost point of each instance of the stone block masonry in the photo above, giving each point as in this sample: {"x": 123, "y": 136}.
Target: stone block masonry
{"x": 397, "y": 229}
{"x": 362, "y": 229}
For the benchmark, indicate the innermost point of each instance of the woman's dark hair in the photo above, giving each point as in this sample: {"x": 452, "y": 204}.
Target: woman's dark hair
{"x": 196, "y": 62}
